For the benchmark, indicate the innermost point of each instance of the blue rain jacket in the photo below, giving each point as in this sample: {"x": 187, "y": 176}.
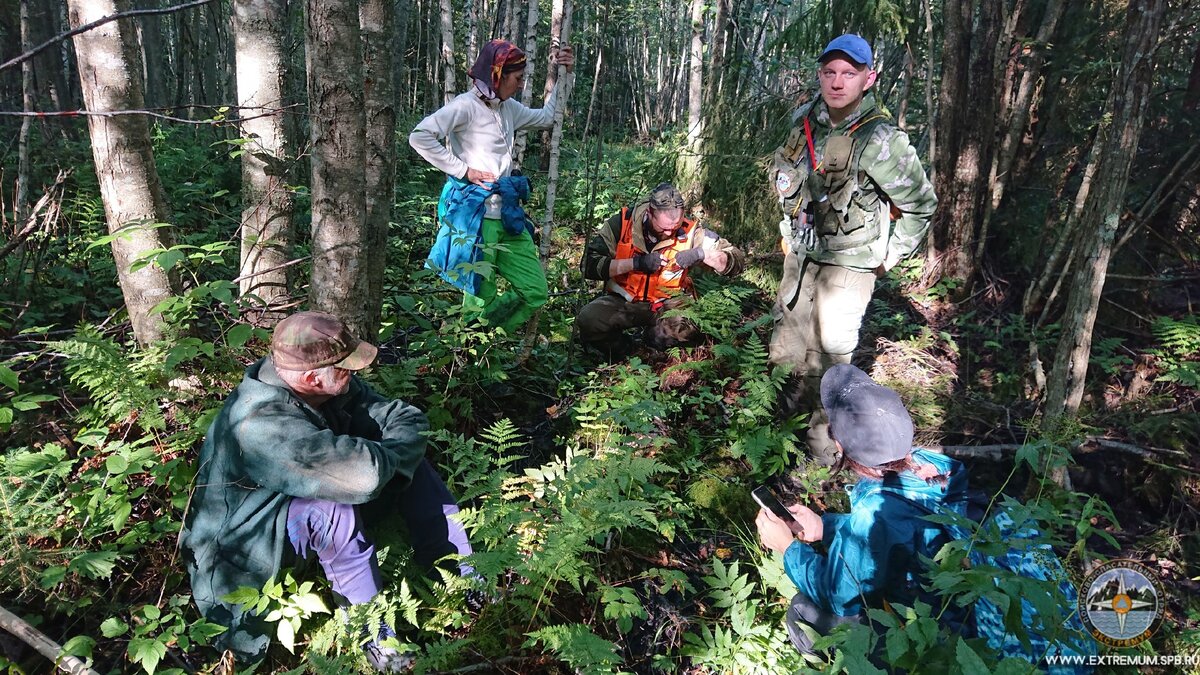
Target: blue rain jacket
{"x": 874, "y": 550}
{"x": 456, "y": 248}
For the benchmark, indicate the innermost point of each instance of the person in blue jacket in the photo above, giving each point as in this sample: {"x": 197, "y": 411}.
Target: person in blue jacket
{"x": 873, "y": 552}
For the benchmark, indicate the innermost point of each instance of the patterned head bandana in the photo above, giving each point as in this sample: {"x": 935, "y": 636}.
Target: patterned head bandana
{"x": 496, "y": 58}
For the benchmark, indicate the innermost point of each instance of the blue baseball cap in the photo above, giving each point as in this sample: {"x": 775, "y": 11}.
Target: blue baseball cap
{"x": 851, "y": 45}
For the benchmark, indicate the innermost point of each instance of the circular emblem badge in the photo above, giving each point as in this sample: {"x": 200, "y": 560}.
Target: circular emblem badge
{"x": 783, "y": 183}
{"x": 1121, "y": 603}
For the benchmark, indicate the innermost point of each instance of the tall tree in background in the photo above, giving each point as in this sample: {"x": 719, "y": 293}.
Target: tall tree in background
{"x": 335, "y": 97}
{"x": 530, "y": 49}
{"x": 965, "y": 129}
{"x": 21, "y": 201}
{"x": 154, "y": 64}
{"x": 134, "y": 204}
{"x": 266, "y": 235}
{"x": 377, "y": 20}
{"x": 690, "y": 165}
{"x": 447, "y": 52}
{"x": 563, "y": 37}
{"x": 1100, "y": 203}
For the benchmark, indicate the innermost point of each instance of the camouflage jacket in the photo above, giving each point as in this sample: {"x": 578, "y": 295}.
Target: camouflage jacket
{"x": 885, "y": 193}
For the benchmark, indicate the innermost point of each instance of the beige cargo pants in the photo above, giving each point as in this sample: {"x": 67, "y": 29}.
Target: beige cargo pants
{"x": 817, "y": 315}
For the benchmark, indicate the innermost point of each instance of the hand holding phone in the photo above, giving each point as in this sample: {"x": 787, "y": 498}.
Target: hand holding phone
{"x": 767, "y": 499}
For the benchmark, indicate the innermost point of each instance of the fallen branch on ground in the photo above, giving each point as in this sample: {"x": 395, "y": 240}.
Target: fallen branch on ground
{"x": 44, "y": 645}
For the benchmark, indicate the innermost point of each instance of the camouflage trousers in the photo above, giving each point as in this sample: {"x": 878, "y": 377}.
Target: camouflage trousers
{"x": 602, "y": 322}
{"x": 817, "y": 315}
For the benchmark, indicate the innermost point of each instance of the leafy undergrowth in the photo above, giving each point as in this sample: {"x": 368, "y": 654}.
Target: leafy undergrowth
{"x": 607, "y": 496}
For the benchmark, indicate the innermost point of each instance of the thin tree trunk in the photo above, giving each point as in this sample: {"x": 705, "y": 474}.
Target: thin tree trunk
{"x": 716, "y": 62}
{"x": 335, "y": 94}
{"x": 905, "y": 88}
{"x": 472, "y": 29}
{"x": 1022, "y": 104}
{"x": 966, "y": 131}
{"x": 930, "y": 111}
{"x": 1099, "y": 212}
{"x": 21, "y": 200}
{"x": 522, "y": 139}
{"x": 692, "y": 170}
{"x": 150, "y": 29}
{"x": 377, "y": 22}
{"x": 399, "y": 46}
{"x": 266, "y": 237}
{"x": 587, "y": 125}
{"x": 556, "y": 133}
{"x": 133, "y": 198}
{"x": 556, "y": 29}
{"x": 447, "y": 25}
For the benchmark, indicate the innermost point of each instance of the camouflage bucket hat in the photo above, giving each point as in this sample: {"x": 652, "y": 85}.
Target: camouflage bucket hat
{"x": 311, "y": 340}
{"x": 666, "y": 196}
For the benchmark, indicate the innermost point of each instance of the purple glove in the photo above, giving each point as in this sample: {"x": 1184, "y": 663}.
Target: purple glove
{"x": 690, "y": 257}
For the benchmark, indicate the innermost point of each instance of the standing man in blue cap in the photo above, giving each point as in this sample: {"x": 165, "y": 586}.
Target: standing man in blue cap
{"x": 855, "y": 202}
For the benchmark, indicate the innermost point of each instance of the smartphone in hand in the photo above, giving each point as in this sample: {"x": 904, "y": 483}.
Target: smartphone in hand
{"x": 767, "y": 499}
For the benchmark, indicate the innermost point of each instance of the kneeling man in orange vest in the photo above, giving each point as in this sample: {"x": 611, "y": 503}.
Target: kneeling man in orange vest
{"x": 644, "y": 255}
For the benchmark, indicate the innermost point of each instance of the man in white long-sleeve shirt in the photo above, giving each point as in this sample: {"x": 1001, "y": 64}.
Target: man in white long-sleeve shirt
{"x": 470, "y": 139}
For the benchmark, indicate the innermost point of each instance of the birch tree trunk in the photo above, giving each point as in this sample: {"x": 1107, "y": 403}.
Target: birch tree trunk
{"x": 564, "y": 97}
{"x": 556, "y": 32}
{"x": 377, "y": 21}
{"x": 1098, "y": 210}
{"x": 21, "y": 199}
{"x": 522, "y": 139}
{"x": 109, "y": 75}
{"x": 447, "y": 25}
{"x": 691, "y": 169}
{"x": 266, "y": 236}
{"x": 335, "y": 95}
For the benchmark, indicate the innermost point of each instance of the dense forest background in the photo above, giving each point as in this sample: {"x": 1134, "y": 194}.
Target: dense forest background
{"x": 176, "y": 180}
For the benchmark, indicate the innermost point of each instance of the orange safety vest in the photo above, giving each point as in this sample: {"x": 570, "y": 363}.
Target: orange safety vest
{"x": 669, "y": 281}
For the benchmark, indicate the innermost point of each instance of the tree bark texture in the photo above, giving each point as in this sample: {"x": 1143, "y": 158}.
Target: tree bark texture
{"x": 21, "y": 200}
{"x": 447, "y": 25}
{"x": 1098, "y": 212}
{"x": 109, "y": 75}
{"x": 691, "y": 169}
{"x": 1022, "y": 102}
{"x": 522, "y": 138}
{"x": 965, "y": 137}
{"x": 266, "y": 234}
{"x": 153, "y": 55}
{"x": 377, "y": 20}
{"x": 335, "y": 95}
{"x": 556, "y": 133}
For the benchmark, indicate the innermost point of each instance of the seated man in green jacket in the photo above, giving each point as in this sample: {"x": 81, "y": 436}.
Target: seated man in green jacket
{"x": 300, "y": 443}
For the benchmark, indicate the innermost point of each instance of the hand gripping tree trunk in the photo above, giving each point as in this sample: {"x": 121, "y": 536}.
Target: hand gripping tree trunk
{"x": 335, "y": 99}
{"x": 1098, "y": 211}
{"x": 266, "y": 233}
{"x": 377, "y": 19}
{"x": 134, "y": 204}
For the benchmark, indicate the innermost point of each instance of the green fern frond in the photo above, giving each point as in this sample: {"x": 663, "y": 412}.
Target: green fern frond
{"x": 118, "y": 386}
{"x": 578, "y": 646}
